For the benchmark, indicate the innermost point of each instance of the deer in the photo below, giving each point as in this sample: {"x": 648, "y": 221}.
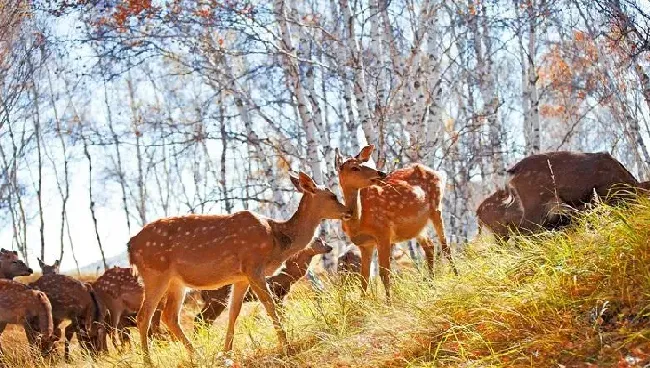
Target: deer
{"x": 210, "y": 251}
{"x": 47, "y": 269}
{"x": 280, "y": 283}
{"x": 73, "y": 300}
{"x": 119, "y": 291}
{"x": 11, "y": 266}
{"x": 21, "y": 305}
{"x": 349, "y": 262}
{"x": 546, "y": 181}
{"x": 387, "y": 209}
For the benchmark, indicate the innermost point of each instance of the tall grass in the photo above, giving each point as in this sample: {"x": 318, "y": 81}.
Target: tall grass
{"x": 574, "y": 298}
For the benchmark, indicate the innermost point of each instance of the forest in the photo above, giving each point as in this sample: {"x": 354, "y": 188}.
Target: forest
{"x": 115, "y": 113}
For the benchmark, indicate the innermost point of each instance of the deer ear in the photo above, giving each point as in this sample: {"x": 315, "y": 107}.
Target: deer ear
{"x": 338, "y": 160}
{"x": 57, "y": 263}
{"x": 306, "y": 183}
{"x": 366, "y": 153}
{"x": 381, "y": 163}
{"x": 295, "y": 181}
{"x": 40, "y": 262}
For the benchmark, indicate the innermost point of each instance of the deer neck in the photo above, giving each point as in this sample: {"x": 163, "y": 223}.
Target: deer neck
{"x": 352, "y": 202}
{"x": 300, "y": 228}
{"x": 5, "y": 275}
{"x": 296, "y": 269}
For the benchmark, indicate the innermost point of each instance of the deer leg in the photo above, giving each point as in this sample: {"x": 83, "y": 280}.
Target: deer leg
{"x": 237, "y": 294}
{"x": 383, "y": 257}
{"x": 114, "y": 327}
{"x": 429, "y": 250}
{"x": 69, "y": 332}
{"x": 153, "y": 292}
{"x": 261, "y": 289}
{"x": 171, "y": 312}
{"x": 366, "y": 259}
{"x": 436, "y": 218}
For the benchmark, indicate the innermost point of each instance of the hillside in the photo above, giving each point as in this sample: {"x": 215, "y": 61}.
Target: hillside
{"x": 574, "y": 298}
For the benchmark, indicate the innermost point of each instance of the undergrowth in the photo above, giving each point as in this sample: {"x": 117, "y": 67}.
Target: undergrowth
{"x": 579, "y": 297}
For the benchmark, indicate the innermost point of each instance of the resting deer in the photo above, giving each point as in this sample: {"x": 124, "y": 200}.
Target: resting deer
{"x": 349, "y": 262}
{"x": 75, "y": 301}
{"x": 21, "y": 305}
{"x": 11, "y": 266}
{"x": 210, "y": 251}
{"x": 47, "y": 269}
{"x": 119, "y": 291}
{"x": 280, "y": 283}
{"x": 387, "y": 209}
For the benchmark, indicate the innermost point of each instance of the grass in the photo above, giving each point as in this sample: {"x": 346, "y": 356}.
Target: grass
{"x": 573, "y": 298}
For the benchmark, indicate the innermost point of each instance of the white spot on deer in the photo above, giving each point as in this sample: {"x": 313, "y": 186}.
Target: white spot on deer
{"x": 147, "y": 244}
{"x": 162, "y": 258}
{"x": 154, "y": 244}
{"x": 419, "y": 193}
{"x": 200, "y": 246}
{"x": 205, "y": 228}
{"x": 212, "y": 228}
{"x": 178, "y": 229}
{"x": 164, "y": 233}
{"x": 187, "y": 233}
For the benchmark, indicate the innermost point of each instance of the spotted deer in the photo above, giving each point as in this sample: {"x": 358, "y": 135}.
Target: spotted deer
{"x": 31, "y": 308}
{"x": 47, "y": 269}
{"x": 75, "y": 301}
{"x": 387, "y": 209}
{"x": 11, "y": 266}
{"x": 119, "y": 291}
{"x": 215, "y": 301}
{"x": 210, "y": 251}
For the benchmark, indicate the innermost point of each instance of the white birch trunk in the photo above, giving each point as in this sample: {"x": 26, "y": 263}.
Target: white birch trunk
{"x": 536, "y": 141}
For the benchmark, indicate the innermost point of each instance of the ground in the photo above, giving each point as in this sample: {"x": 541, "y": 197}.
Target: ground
{"x": 576, "y": 298}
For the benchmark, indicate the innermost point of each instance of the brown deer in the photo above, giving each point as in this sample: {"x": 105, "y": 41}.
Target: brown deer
{"x": 31, "y": 308}
{"x": 210, "y": 251}
{"x": 388, "y": 209}
{"x": 280, "y": 283}
{"x": 75, "y": 301}
{"x": 349, "y": 262}
{"x": 47, "y": 269}
{"x": 11, "y": 266}
{"x": 119, "y": 291}
{"x": 542, "y": 188}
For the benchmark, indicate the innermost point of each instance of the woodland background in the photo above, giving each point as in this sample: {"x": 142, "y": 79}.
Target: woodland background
{"x": 114, "y": 113}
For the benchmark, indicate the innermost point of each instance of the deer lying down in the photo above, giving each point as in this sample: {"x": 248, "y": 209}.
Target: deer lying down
{"x": 21, "y": 305}
{"x": 211, "y": 251}
{"x": 75, "y": 301}
{"x": 11, "y": 266}
{"x": 349, "y": 262}
{"x": 280, "y": 283}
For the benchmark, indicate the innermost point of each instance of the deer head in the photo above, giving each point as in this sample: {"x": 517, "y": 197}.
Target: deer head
{"x": 329, "y": 206}
{"x": 49, "y": 270}
{"x": 354, "y": 174}
{"x": 11, "y": 266}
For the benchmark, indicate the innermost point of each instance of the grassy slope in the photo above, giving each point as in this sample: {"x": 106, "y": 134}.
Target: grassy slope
{"x": 575, "y": 298}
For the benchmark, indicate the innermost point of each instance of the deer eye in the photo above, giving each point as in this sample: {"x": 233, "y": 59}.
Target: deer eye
{"x": 356, "y": 169}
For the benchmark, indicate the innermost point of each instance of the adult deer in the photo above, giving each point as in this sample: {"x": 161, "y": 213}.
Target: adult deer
{"x": 280, "y": 283}
{"x": 21, "y": 305}
{"x": 75, "y": 301}
{"x": 11, "y": 266}
{"x": 210, "y": 251}
{"x": 387, "y": 209}
{"x": 47, "y": 269}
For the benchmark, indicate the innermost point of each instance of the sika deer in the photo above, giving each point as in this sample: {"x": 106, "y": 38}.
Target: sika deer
{"x": 388, "y": 209}
{"x": 210, "y": 251}
{"x": 21, "y": 305}
{"x": 47, "y": 269}
{"x": 11, "y": 266}
{"x": 73, "y": 300}
{"x": 280, "y": 283}
{"x": 120, "y": 292}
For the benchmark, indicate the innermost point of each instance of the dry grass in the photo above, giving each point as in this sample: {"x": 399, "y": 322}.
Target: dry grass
{"x": 574, "y": 298}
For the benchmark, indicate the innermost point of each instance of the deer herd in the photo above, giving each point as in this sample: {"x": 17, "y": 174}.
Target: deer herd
{"x": 245, "y": 256}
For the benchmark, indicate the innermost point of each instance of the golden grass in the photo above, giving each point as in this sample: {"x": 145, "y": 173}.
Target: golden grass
{"x": 573, "y": 298}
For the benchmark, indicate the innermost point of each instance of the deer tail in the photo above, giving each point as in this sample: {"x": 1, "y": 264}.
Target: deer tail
{"x": 132, "y": 260}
